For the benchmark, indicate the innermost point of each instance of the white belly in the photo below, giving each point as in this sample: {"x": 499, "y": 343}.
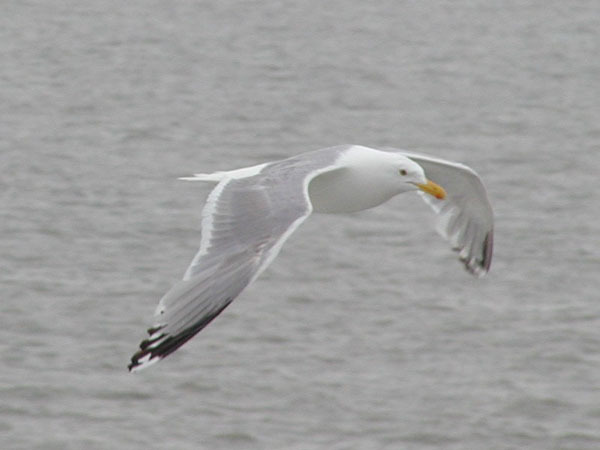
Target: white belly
{"x": 347, "y": 190}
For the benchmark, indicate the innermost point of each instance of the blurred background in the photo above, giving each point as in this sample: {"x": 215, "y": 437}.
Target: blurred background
{"x": 365, "y": 333}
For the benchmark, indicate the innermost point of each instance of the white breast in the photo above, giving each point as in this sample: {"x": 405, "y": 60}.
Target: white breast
{"x": 365, "y": 180}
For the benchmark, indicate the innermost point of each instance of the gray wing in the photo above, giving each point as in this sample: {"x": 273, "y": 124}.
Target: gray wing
{"x": 245, "y": 222}
{"x": 465, "y": 217}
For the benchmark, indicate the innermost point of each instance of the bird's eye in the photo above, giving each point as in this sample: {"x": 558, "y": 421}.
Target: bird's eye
{"x": 403, "y": 172}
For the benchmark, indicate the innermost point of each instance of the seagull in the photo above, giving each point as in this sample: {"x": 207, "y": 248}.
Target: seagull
{"x": 251, "y": 212}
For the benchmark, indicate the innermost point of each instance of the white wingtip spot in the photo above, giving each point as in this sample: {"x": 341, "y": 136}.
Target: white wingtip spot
{"x": 145, "y": 362}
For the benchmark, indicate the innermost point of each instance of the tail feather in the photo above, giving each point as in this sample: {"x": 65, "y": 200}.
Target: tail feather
{"x": 215, "y": 177}
{"x": 210, "y": 177}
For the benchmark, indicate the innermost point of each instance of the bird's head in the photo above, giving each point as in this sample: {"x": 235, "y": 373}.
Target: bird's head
{"x": 412, "y": 177}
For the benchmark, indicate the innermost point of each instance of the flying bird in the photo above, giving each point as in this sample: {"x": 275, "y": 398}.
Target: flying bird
{"x": 252, "y": 211}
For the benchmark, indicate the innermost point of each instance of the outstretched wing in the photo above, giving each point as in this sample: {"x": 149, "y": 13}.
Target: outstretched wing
{"x": 245, "y": 222}
{"x": 465, "y": 216}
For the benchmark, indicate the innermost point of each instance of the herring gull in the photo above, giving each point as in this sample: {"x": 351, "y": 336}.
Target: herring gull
{"x": 252, "y": 211}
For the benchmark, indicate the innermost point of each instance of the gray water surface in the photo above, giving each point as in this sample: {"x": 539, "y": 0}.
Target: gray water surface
{"x": 365, "y": 333}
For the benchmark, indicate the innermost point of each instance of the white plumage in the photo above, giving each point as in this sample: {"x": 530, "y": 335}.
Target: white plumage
{"x": 252, "y": 211}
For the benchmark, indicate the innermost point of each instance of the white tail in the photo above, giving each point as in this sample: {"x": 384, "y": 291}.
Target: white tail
{"x": 218, "y": 176}
{"x": 211, "y": 177}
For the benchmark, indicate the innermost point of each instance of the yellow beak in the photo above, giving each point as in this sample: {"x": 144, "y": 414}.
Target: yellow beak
{"x": 433, "y": 189}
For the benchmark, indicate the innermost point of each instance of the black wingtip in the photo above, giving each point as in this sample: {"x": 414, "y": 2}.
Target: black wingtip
{"x": 155, "y": 348}
{"x": 479, "y": 265}
{"x": 133, "y": 364}
{"x": 488, "y": 249}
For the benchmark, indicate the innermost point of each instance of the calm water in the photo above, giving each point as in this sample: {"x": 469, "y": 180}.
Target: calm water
{"x": 365, "y": 333}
